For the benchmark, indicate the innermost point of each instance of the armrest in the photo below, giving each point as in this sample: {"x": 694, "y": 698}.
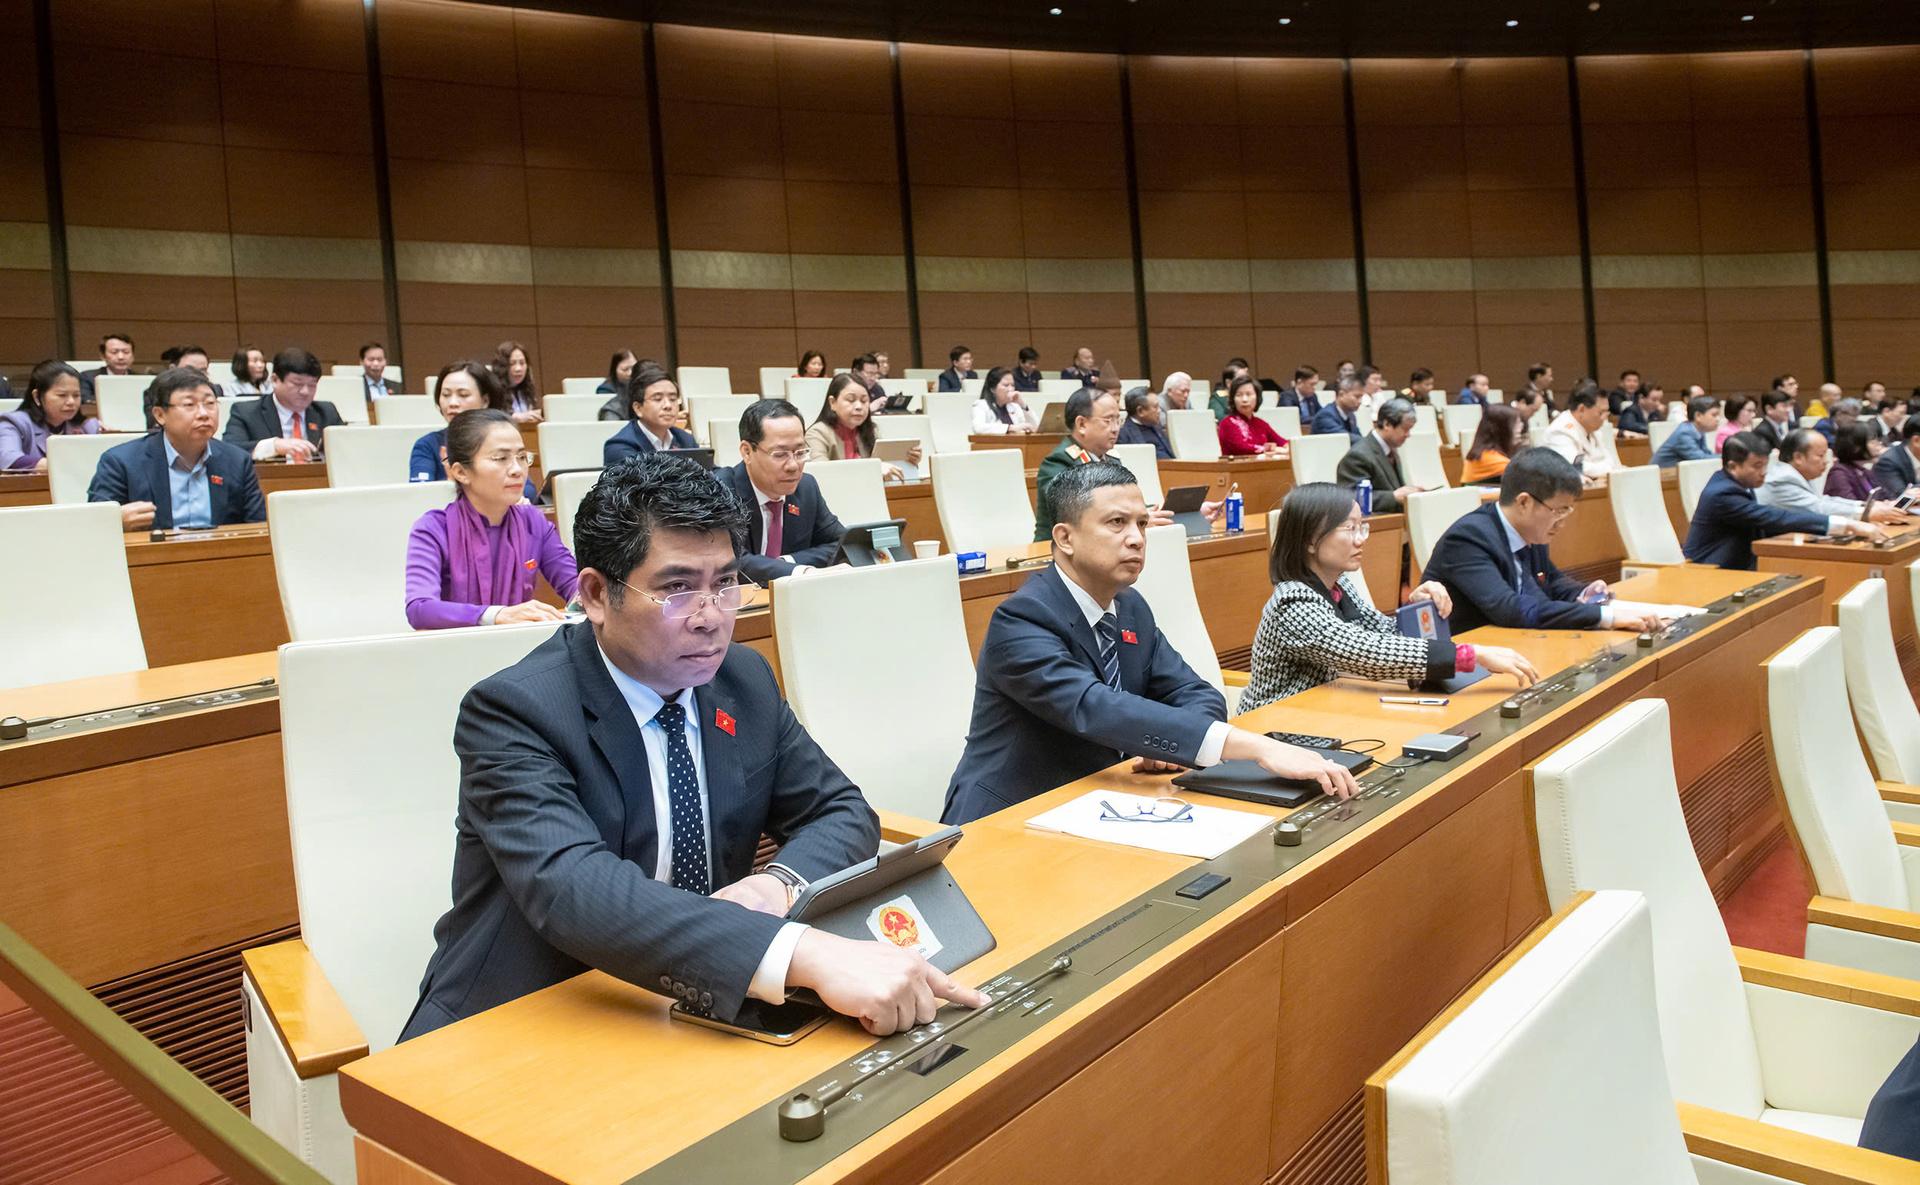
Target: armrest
{"x": 313, "y": 1025}
{"x": 898, "y": 828}
{"x": 1907, "y": 835}
{"x": 1868, "y": 919}
{"x": 1236, "y": 678}
{"x": 1887, "y": 993}
{"x": 1787, "y": 1154}
{"x": 1899, "y": 792}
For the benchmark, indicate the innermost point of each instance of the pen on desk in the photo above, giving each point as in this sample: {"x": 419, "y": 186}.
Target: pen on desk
{"x": 1419, "y": 701}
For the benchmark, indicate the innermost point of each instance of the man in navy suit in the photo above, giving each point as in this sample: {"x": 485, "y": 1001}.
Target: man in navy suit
{"x": 1893, "y": 1117}
{"x": 614, "y": 785}
{"x": 289, "y": 423}
{"x": 1339, "y": 416}
{"x": 179, "y": 476}
{"x": 653, "y": 408}
{"x": 1475, "y": 389}
{"x": 1494, "y": 560}
{"x": 1304, "y": 394}
{"x": 1729, "y": 517}
{"x": 1075, "y": 675}
{"x": 789, "y": 528}
{"x": 1897, "y": 470}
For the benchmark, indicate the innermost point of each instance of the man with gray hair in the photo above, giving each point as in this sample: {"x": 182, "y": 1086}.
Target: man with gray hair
{"x": 1803, "y": 460}
{"x": 1376, "y": 457}
{"x": 1841, "y": 413}
{"x": 1176, "y": 391}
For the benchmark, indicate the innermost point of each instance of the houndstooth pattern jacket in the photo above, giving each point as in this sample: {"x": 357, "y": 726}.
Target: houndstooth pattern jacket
{"x": 1305, "y": 641}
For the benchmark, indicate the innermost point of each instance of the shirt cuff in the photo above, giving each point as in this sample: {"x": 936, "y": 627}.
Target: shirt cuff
{"x": 488, "y": 615}
{"x": 770, "y": 977}
{"x": 1606, "y": 617}
{"x": 1836, "y": 523}
{"x": 263, "y": 449}
{"x": 1213, "y": 745}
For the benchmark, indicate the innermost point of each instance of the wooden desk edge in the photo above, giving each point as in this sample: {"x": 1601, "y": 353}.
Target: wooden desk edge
{"x": 315, "y": 1029}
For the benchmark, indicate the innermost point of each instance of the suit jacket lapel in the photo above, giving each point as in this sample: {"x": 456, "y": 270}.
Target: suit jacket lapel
{"x": 216, "y": 486}
{"x": 742, "y": 487}
{"x": 617, "y": 735}
{"x": 727, "y": 804}
{"x": 1068, "y": 607}
{"x": 156, "y": 463}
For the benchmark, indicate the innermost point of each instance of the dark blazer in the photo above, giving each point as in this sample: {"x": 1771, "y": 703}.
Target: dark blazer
{"x": 1473, "y": 560}
{"x": 1042, "y": 714}
{"x": 950, "y": 379}
{"x": 1894, "y": 471}
{"x": 1331, "y": 419}
{"x": 1771, "y": 433}
{"x": 631, "y": 442}
{"x": 1022, "y": 381}
{"x": 1309, "y": 405}
{"x": 811, "y": 534}
{"x": 1134, "y": 432}
{"x": 1469, "y": 395}
{"x": 254, "y": 420}
{"x": 137, "y": 472}
{"x": 1729, "y": 518}
{"x": 555, "y": 836}
{"x": 1064, "y": 456}
{"x": 1368, "y": 460}
{"x": 1632, "y": 418}
{"x": 86, "y": 382}
{"x": 1893, "y": 1117}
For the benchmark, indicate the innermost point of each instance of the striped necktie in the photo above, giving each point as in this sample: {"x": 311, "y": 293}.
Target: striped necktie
{"x": 1108, "y": 630}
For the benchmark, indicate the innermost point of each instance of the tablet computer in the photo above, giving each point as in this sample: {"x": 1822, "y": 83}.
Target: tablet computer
{"x": 1422, "y": 619}
{"x": 1054, "y": 418}
{"x": 866, "y": 544}
{"x": 702, "y": 457}
{"x": 905, "y": 896}
{"x": 1183, "y": 503}
{"x": 1249, "y": 781}
{"x": 896, "y": 452}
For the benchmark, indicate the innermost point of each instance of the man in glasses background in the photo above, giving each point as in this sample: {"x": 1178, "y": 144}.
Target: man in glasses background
{"x": 615, "y": 784}
{"x": 179, "y": 475}
{"x": 789, "y": 528}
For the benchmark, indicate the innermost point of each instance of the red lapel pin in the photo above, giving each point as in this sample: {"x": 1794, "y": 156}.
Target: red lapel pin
{"x": 792, "y": 509}
{"x": 722, "y": 721}
{"x": 1128, "y": 637}
{"x": 532, "y": 564}
{"x": 215, "y": 479}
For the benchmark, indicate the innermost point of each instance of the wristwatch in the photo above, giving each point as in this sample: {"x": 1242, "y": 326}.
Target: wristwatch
{"x": 788, "y": 877}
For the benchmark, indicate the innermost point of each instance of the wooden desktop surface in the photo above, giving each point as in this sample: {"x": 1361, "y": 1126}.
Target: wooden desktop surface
{"x": 1255, "y": 1031}
{"x": 1033, "y": 446}
{"x": 1842, "y": 566}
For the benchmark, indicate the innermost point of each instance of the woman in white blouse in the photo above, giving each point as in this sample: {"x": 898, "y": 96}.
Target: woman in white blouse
{"x": 1000, "y": 409}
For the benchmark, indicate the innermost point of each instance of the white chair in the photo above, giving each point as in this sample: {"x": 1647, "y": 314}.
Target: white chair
{"x": 1166, "y": 581}
{"x": 702, "y": 408}
{"x": 345, "y": 369}
{"x": 1194, "y": 434}
{"x": 1060, "y": 387}
{"x": 1145, "y": 467}
{"x": 73, "y": 460}
{"x": 1657, "y": 433}
{"x": 950, "y": 420}
{"x": 10, "y": 404}
{"x": 971, "y": 387}
{"x": 1677, "y": 410}
{"x": 364, "y": 455}
{"x": 575, "y": 446}
{"x": 930, "y": 374}
{"x": 852, "y": 489}
{"x": 1883, "y": 706}
{"x": 1609, "y": 437}
{"x": 913, "y": 650}
{"x": 1496, "y": 395}
{"x": 1640, "y": 513}
{"x": 568, "y": 489}
{"x": 1462, "y": 420}
{"x": 122, "y": 400}
{"x": 918, "y": 389}
{"x": 1364, "y": 418}
{"x": 1694, "y": 476}
{"x": 414, "y": 411}
{"x": 574, "y": 409}
{"x": 723, "y": 437}
{"x": 1430, "y": 514}
{"x": 1284, "y": 420}
{"x": 982, "y": 499}
{"x": 372, "y": 855}
{"x": 1420, "y": 461}
{"x": 1809, "y": 421}
{"x": 73, "y": 558}
{"x": 340, "y": 556}
{"x": 222, "y": 372}
{"x": 580, "y": 386}
{"x": 347, "y": 394}
{"x": 807, "y": 394}
{"x": 704, "y": 380}
{"x": 1745, "y": 1033}
{"x": 1869, "y": 883}
{"x": 85, "y": 364}
{"x": 773, "y": 381}
{"x": 432, "y": 381}
{"x": 1317, "y": 458}
{"x": 1426, "y": 420}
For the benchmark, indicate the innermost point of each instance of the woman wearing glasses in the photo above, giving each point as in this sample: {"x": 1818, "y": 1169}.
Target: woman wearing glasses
{"x": 473, "y": 562}
{"x": 1319, "y": 625}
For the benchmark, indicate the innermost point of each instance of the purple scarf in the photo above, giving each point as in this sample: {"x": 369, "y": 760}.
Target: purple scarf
{"x": 479, "y": 575}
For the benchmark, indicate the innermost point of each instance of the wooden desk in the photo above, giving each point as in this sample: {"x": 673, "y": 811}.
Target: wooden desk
{"x": 28, "y": 489}
{"x": 1843, "y": 566}
{"x": 31, "y": 489}
{"x": 1234, "y": 1054}
{"x": 1588, "y": 546}
{"x": 1033, "y": 446}
{"x": 1633, "y": 452}
{"x": 1263, "y": 481}
{"x": 207, "y": 594}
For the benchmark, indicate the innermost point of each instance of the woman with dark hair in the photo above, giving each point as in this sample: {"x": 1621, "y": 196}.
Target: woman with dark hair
{"x": 1501, "y": 434}
{"x": 1318, "y": 625}
{"x": 473, "y": 561}
{"x": 513, "y": 367}
{"x": 462, "y": 386}
{"x": 813, "y": 365}
{"x": 619, "y": 370}
{"x": 1739, "y": 415}
{"x": 844, "y": 430}
{"x": 1852, "y": 472}
{"x": 653, "y": 416}
{"x": 1001, "y": 410}
{"x": 252, "y": 374}
{"x": 51, "y": 407}
{"x": 1242, "y": 432}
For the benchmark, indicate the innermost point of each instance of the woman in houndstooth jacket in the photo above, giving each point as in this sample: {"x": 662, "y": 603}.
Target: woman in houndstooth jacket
{"x": 1319, "y": 625}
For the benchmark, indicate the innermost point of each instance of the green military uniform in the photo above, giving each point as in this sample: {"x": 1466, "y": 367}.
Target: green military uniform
{"x": 1066, "y": 454}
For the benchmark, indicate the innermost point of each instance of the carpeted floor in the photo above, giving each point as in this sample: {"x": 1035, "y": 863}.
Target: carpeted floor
{"x": 1769, "y": 911}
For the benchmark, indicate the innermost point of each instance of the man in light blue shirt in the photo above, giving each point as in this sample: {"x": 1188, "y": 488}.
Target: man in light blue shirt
{"x": 1693, "y": 440}
{"x": 179, "y": 475}
{"x": 192, "y": 495}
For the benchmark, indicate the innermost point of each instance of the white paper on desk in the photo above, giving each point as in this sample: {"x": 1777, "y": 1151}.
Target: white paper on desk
{"x": 1669, "y": 612}
{"x": 1212, "y": 831}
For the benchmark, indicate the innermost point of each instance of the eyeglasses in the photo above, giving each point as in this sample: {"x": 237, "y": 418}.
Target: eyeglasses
{"x": 1559, "y": 513}
{"x": 195, "y": 405}
{"x": 785, "y": 456}
{"x": 728, "y": 598}
{"x": 524, "y": 457}
{"x": 1358, "y": 531}
{"x": 1162, "y": 810}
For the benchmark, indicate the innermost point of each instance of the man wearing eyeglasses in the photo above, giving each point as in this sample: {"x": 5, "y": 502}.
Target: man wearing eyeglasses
{"x": 615, "y": 784}
{"x": 789, "y": 528}
{"x": 179, "y": 476}
{"x": 1495, "y": 561}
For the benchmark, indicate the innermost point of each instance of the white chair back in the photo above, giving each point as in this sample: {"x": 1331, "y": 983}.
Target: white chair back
{"x": 73, "y": 460}
{"x": 982, "y": 498}
{"x": 1166, "y": 581}
{"x": 1694, "y": 476}
{"x": 122, "y": 400}
{"x": 852, "y": 489}
{"x": 723, "y": 437}
{"x": 582, "y": 386}
{"x": 1496, "y": 395}
{"x": 1284, "y": 420}
{"x": 912, "y": 649}
{"x": 347, "y": 394}
{"x": 971, "y": 387}
{"x": 1677, "y": 410}
{"x": 11, "y": 403}
{"x": 1607, "y": 816}
{"x": 703, "y": 408}
{"x": 1657, "y": 433}
{"x": 363, "y": 455}
{"x": 372, "y": 821}
{"x": 1487, "y": 1100}
{"x": 1609, "y": 437}
{"x": 74, "y": 557}
{"x": 579, "y": 408}
{"x": 345, "y": 369}
{"x": 773, "y": 382}
{"x": 1420, "y": 461}
{"x": 807, "y": 394}
{"x": 929, "y": 374}
{"x": 575, "y": 446}
{"x": 950, "y": 419}
{"x": 1425, "y": 419}
{"x": 432, "y": 381}
{"x": 340, "y": 556}
{"x": 1060, "y": 387}
{"x": 1430, "y": 514}
{"x": 222, "y": 372}
{"x": 1831, "y": 798}
{"x": 1140, "y": 460}
{"x": 1883, "y": 705}
{"x": 415, "y": 411}
{"x": 704, "y": 380}
{"x": 1194, "y": 434}
{"x": 1317, "y": 458}
{"x": 1640, "y": 513}
{"x": 568, "y": 489}
{"x": 1462, "y": 420}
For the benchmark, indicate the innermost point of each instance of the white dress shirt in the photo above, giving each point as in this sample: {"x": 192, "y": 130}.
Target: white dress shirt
{"x": 263, "y": 449}
{"x": 1566, "y": 436}
{"x": 662, "y": 443}
{"x": 1215, "y": 742}
{"x": 770, "y": 978}
{"x": 1514, "y": 545}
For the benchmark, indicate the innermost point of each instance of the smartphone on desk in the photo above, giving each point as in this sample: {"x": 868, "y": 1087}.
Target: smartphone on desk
{"x": 775, "y": 1024}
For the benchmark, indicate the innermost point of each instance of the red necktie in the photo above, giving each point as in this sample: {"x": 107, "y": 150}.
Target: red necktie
{"x": 775, "y": 509}
{"x": 300, "y": 427}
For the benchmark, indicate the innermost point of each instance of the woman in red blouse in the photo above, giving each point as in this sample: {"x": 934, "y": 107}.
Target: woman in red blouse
{"x": 1242, "y": 432}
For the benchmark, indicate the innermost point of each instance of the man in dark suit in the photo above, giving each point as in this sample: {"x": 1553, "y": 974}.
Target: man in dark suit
{"x": 1475, "y": 390}
{"x": 1729, "y": 517}
{"x": 1892, "y": 1123}
{"x": 1636, "y": 418}
{"x": 959, "y": 366}
{"x": 1376, "y": 458}
{"x": 1026, "y": 376}
{"x": 615, "y": 783}
{"x": 1082, "y": 368}
{"x": 1340, "y": 415}
{"x": 1625, "y": 395}
{"x": 1304, "y": 394}
{"x": 373, "y": 373}
{"x": 116, "y": 357}
{"x": 1143, "y": 424}
{"x": 289, "y": 422}
{"x": 1075, "y": 675}
{"x": 653, "y": 410}
{"x": 1899, "y": 467}
{"x": 179, "y": 476}
{"x": 1495, "y": 562}
{"x": 1776, "y": 419}
{"x": 789, "y": 528}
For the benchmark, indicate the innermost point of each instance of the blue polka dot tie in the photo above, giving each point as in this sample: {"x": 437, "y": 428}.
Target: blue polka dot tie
{"x": 689, "y": 867}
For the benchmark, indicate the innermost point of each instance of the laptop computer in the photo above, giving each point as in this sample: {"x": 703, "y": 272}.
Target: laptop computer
{"x": 1422, "y": 619}
{"x": 867, "y": 544}
{"x": 702, "y": 457}
{"x": 1054, "y": 418}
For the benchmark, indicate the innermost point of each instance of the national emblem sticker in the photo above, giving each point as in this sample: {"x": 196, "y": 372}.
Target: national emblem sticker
{"x": 901, "y": 923}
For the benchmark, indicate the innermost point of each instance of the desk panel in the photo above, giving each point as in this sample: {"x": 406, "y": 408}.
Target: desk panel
{"x": 1843, "y": 566}
{"x": 1033, "y": 446}
{"x": 206, "y": 595}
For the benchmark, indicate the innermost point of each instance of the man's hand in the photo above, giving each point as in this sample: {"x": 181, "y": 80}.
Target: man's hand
{"x": 1213, "y": 511}
{"x": 1639, "y": 623}
{"x": 136, "y": 516}
{"x": 1159, "y": 516}
{"x": 1866, "y": 531}
{"x": 1289, "y": 761}
{"x": 527, "y": 611}
{"x": 293, "y": 450}
{"x": 915, "y": 456}
{"x": 1400, "y": 495}
{"x": 1886, "y": 512}
{"x": 1148, "y": 765}
{"x": 883, "y": 987}
{"x": 1436, "y": 592}
{"x": 762, "y": 892}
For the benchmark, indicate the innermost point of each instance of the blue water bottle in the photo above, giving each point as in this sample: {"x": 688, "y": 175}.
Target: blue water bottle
{"x": 1363, "y": 494}
{"x": 1236, "y": 507}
